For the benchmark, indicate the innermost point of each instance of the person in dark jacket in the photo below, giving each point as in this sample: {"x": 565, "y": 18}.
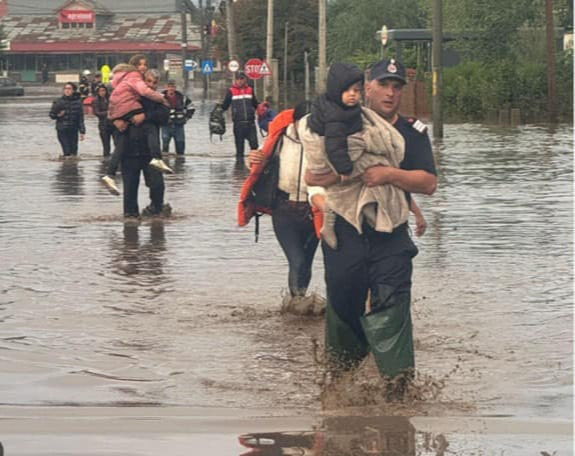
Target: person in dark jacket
{"x": 69, "y": 116}
{"x": 136, "y": 159}
{"x": 100, "y": 108}
{"x": 243, "y": 101}
{"x": 96, "y": 83}
{"x": 84, "y": 86}
{"x": 181, "y": 110}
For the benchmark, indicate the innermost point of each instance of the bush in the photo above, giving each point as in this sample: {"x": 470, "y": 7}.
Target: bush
{"x": 472, "y": 89}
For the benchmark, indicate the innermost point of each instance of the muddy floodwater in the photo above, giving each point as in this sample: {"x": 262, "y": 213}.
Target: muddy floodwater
{"x": 166, "y": 337}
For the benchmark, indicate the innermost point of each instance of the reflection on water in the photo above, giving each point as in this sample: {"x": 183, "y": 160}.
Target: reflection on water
{"x": 69, "y": 179}
{"x": 492, "y": 283}
{"x": 396, "y": 435}
{"x": 339, "y": 436}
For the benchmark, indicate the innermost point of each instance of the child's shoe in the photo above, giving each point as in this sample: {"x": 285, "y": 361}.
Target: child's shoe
{"x": 110, "y": 185}
{"x": 160, "y": 165}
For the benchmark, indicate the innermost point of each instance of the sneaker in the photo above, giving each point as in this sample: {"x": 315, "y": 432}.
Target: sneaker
{"x": 110, "y": 185}
{"x": 160, "y": 165}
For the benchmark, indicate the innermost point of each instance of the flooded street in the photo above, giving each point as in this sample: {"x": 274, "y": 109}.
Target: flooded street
{"x": 177, "y": 319}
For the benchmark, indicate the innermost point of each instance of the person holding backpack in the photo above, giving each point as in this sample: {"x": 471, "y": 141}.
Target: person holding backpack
{"x": 292, "y": 217}
{"x": 242, "y": 99}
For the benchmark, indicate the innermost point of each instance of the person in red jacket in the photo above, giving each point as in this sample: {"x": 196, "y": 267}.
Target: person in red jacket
{"x": 243, "y": 102}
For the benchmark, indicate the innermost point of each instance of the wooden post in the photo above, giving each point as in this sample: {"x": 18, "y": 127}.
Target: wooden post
{"x": 231, "y": 29}
{"x": 320, "y": 83}
{"x": 269, "y": 48}
{"x": 437, "y": 64}
{"x": 184, "y": 47}
{"x": 550, "y": 35}
{"x": 275, "y": 67}
{"x": 286, "y": 64}
{"x": 307, "y": 81}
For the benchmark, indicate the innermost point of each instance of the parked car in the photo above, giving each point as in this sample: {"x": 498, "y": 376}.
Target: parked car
{"x": 9, "y": 88}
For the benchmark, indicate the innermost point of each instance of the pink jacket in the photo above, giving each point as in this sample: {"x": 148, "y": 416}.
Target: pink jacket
{"x": 129, "y": 86}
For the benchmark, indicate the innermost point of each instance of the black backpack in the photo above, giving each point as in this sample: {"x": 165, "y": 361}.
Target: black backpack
{"x": 217, "y": 121}
{"x": 264, "y": 191}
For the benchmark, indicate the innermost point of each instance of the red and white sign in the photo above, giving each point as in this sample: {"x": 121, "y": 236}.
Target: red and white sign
{"x": 233, "y": 66}
{"x": 76, "y": 16}
{"x": 256, "y": 68}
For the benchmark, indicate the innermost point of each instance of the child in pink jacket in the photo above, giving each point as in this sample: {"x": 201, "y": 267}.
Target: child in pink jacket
{"x": 124, "y": 107}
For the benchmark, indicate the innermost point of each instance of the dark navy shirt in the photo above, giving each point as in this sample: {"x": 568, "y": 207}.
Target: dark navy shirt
{"x": 418, "y": 153}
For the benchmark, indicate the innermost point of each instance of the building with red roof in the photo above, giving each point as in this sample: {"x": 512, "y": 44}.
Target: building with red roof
{"x": 84, "y": 35}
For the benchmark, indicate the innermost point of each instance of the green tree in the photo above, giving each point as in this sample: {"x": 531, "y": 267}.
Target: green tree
{"x": 251, "y": 31}
{"x": 352, "y": 25}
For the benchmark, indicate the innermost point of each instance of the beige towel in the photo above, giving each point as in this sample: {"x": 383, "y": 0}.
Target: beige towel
{"x": 379, "y": 143}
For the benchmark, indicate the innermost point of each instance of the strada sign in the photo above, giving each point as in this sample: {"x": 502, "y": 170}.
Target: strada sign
{"x": 76, "y": 16}
{"x": 256, "y": 68}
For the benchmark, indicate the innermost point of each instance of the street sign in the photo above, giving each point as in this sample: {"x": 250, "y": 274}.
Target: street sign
{"x": 233, "y": 66}
{"x": 384, "y": 35}
{"x": 190, "y": 64}
{"x": 256, "y": 68}
{"x": 265, "y": 69}
{"x": 207, "y": 66}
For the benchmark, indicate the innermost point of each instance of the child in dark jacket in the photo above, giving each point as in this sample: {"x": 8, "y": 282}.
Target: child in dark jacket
{"x": 335, "y": 115}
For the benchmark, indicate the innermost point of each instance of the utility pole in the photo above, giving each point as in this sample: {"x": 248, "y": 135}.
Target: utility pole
{"x": 203, "y": 53}
{"x": 322, "y": 46}
{"x": 437, "y": 68}
{"x": 307, "y": 84}
{"x": 184, "y": 45}
{"x": 550, "y": 35}
{"x": 286, "y": 65}
{"x": 231, "y": 29}
{"x": 269, "y": 48}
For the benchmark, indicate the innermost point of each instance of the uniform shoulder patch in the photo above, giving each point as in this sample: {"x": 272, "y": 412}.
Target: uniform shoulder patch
{"x": 418, "y": 125}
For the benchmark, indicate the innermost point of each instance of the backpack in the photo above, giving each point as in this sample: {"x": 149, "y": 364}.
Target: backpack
{"x": 264, "y": 191}
{"x": 217, "y": 122}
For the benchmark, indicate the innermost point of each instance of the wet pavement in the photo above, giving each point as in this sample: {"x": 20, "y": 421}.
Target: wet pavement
{"x": 159, "y": 326}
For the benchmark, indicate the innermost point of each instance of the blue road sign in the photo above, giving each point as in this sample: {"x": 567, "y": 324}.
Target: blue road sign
{"x": 207, "y": 66}
{"x": 190, "y": 65}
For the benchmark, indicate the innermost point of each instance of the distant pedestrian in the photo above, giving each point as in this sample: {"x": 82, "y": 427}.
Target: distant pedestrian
{"x": 181, "y": 110}
{"x": 96, "y": 82}
{"x": 243, "y": 101}
{"x": 105, "y": 70}
{"x": 44, "y": 74}
{"x": 100, "y": 108}
{"x": 69, "y": 116}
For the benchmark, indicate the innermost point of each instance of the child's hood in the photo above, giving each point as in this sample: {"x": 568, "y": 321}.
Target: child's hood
{"x": 340, "y": 77}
